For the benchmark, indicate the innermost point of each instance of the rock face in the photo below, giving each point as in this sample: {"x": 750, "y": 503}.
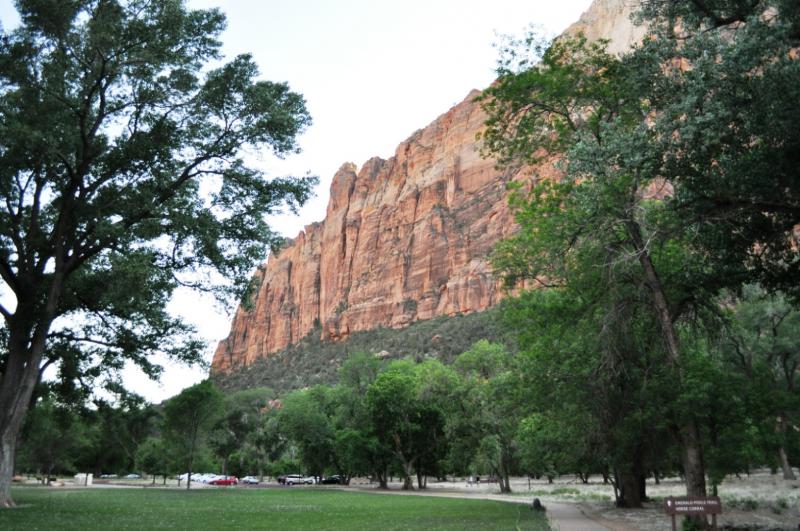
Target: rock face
{"x": 611, "y": 20}
{"x": 403, "y": 239}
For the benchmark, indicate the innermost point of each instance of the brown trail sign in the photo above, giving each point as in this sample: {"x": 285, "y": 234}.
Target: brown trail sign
{"x": 691, "y": 506}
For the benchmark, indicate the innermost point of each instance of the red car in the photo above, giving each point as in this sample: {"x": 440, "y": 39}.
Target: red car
{"x": 224, "y": 480}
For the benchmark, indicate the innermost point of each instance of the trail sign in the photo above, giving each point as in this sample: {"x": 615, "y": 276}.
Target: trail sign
{"x": 690, "y": 506}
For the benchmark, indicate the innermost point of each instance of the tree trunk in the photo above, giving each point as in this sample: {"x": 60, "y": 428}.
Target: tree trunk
{"x": 16, "y": 389}
{"x": 505, "y": 482}
{"x": 382, "y": 483}
{"x": 692, "y": 451}
{"x": 693, "y": 468}
{"x": 629, "y": 494}
{"x": 643, "y": 487}
{"x": 692, "y": 458}
{"x": 408, "y": 478}
{"x": 788, "y": 473}
{"x": 6, "y": 470}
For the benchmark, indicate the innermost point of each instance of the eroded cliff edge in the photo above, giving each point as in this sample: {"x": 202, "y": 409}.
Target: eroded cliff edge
{"x": 403, "y": 239}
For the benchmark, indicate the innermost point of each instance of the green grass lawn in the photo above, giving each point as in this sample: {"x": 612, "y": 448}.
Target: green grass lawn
{"x": 240, "y": 508}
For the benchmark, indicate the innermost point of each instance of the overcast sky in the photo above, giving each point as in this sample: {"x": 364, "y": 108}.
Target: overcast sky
{"x": 372, "y": 72}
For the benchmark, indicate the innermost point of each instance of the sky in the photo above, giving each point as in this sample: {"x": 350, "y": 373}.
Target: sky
{"x": 372, "y": 72}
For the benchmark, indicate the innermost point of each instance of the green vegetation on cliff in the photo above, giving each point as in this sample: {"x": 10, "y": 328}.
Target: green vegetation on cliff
{"x": 313, "y": 361}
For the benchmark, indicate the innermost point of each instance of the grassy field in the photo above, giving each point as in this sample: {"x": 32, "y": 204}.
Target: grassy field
{"x": 239, "y": 508}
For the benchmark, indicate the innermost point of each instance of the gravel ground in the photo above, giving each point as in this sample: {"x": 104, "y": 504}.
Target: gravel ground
{"x": 760, "y": 501}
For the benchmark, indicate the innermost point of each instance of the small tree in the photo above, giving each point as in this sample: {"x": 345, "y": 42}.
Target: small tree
{"x": 305, "y": 418}
{"x": 153, "y": 458}
{"x": 494, "y": 406}
{"x": 188, "y": 419}
{"x": 405, "y": 422}
{"x": 243, "y": 412}
{"x": 266, "y": 441}
{"x": 357, "y": 450}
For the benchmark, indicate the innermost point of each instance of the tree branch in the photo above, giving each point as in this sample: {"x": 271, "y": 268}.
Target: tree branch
{"x": 83, "y": 339}
{"x": 10, "y": 277}
{"x": 719, "y": 21}
{"x": 5, "y": 313}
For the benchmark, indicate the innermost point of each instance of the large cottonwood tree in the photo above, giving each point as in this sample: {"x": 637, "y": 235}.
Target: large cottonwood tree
{"x": 584, "y": 104}
{"x": 683, "y": 151}
{"x": 122, "y": 176}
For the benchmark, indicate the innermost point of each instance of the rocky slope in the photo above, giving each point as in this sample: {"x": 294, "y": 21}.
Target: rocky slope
{"x": 403, "y": 239}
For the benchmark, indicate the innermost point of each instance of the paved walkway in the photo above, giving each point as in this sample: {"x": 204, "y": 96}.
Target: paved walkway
{"x": 569, "y": 517}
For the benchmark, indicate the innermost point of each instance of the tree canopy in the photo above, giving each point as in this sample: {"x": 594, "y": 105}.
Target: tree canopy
{"x": 123, "y": 176}
{"x": 679, "y": 178}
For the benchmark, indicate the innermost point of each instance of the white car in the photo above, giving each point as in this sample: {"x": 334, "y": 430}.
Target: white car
{"x": 250, "y": 480}
{"x": 297, "y": 479}
{"x": 196, "y": 477}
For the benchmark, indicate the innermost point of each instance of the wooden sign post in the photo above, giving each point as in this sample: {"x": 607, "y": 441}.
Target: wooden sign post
{"x": 688, "y": 506}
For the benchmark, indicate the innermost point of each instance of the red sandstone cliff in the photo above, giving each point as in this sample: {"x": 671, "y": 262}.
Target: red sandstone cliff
{"x": 404, "y": 239}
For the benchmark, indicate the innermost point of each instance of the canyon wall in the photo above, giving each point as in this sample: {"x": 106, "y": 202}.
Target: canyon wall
{"x": 403, "y": 239}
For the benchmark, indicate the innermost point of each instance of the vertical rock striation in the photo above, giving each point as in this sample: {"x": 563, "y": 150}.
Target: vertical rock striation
{"x": 403, "y": 239}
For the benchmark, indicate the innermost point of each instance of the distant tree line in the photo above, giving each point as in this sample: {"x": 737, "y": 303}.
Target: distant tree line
{"x": 561, "y": 406}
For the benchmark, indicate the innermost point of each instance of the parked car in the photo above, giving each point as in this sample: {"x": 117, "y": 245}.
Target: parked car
{"x": 335, "y": 479}
{"x": 296, "y": 479}
{"x": 249, "y": 480}
{"x": 224, "y": 481}
{"x": 133, "y": 476}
